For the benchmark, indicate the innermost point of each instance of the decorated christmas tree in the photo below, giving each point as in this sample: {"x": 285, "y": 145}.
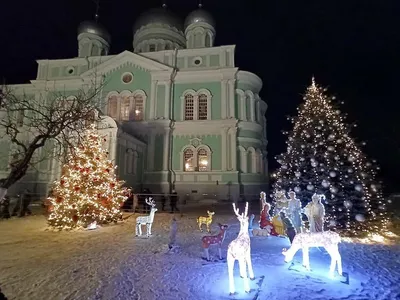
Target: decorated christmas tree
{"x": 88, "y": 190}
{"x": 322, "y": 158}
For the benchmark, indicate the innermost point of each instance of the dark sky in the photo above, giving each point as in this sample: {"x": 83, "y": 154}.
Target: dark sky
{"x": 352, "y": 47}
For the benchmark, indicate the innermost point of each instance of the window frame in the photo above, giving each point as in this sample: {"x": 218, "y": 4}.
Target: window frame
{"x": 196, "y": 107}
{"x": 196, "y": 158}
{"x": 120, "y": 99}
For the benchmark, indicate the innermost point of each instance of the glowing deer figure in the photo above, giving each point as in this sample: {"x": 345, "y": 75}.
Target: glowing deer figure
{"x": 146, "y": 220}
{"x": 206, "y": 220}
{"x": 328, "y": 239}
{"x": 217, "y": 240}
{"x": 239, "y": 249}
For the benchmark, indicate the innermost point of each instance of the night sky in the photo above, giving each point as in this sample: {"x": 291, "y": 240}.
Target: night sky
{"x": 352, "y": 47}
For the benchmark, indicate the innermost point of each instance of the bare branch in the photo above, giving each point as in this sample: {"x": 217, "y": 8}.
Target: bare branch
{"x": 29, "y": 121}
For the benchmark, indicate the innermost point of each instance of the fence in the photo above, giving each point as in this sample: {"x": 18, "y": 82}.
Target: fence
{"x": 38, "y": 205}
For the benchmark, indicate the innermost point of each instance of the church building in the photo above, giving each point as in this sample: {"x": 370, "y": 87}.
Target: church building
{"x": 180, "y": 114}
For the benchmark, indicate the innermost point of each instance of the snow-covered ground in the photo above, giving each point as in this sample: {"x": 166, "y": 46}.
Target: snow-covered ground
{"x": 110, "y": 263}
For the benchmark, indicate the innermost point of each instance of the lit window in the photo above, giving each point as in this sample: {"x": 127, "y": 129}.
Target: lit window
{"x": 189, "y": 107}
{"x": 125, "y": 108}
{"x": 203, "y": 107}
{"x": 152, "y": 48}
{"x": 113, "y": 107}
{"x": 188, "y": 160}
{"x": 202, "y": 159}
{"x": 139, "y": 108}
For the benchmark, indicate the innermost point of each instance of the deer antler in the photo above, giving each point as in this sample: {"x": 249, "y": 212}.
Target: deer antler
{"x": 236, "y": 210}
{"x": 150, "y": 202}
{"x": 246, "y": 210}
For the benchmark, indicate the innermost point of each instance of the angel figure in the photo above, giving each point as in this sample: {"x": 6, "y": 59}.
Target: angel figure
{"x": 315, "y": 212}
{"x": 294, "y": 211}
{"x": 281, "y": 202}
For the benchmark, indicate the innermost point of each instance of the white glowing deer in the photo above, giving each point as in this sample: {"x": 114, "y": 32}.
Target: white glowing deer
{"x": 146, "y": 220}
{"x": 328, "y": 239}
{"x": 239, "y": 249}
{"x": 217, "y": 240}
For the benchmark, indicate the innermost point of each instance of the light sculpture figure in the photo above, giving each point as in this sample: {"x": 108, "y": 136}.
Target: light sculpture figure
{"x": 205, "y": 220}
{"x": 146, "y": 220}
{"x": 239, "y": 249}
{"x": 328, "y": 239}
{"x": 214, "y": 240}
{"x": 315, "y": 212}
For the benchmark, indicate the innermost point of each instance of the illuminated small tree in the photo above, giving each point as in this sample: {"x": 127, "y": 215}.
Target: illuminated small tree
{"x": 321, "y": 157}
{"x": 88, "y": 190}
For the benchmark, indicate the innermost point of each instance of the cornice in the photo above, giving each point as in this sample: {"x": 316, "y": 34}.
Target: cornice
{"x": 251, "y": 79}
{"x": 191, "y": 76}
{"x": 214, "y": 127}
{"x": 123, "y": 58}
{"x": 250, "y": 126}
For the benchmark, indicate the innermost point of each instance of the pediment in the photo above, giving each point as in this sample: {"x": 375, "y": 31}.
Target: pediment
{"x": 123, "y": 59}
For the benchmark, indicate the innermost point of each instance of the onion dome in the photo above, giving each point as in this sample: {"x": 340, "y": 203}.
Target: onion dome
{"x": 160, "y": 16}
{"x": 199, "y": 16}
{"x": 94, "y": 28}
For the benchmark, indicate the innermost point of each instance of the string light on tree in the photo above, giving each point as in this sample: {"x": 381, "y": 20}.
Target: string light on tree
{"x": 322, "y": 158}
{"x": 88, "y": 191}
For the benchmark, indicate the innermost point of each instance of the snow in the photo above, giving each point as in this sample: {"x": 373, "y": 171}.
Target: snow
{"x": 110, "y": 263}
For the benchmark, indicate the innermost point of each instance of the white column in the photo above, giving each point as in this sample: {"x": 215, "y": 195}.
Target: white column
{"x": 264, "y": 127}
{"x": 150, "y": 158}
{"x": 223, "y": 99}
{"x": 166, "y": 148}
{"x": 252, "y": 109}
{"x": 232, "y": 131}
{"x": 243, "y": 161}
{"x": 196, "y": 107}
{"x": 224, "y": 137}
{"x": 167, "y": 100}
{"x": 243, "y": 107}
{"x": 231, "y": 98}
{"x": 152, "y": 99}
{"x": 113, "y": 146}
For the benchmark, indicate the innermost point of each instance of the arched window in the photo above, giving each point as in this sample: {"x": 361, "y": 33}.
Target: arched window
{"x": 202, "y": 159}
{"x": 208, "y": 40}
{"x": 125, "y": 108}
{"x": 189, "y": 107}
{"x": 113, "y": 106}
{"x": 196, "y": 105}
{"x": 167, "y": 47}
{"x": 138, "y": 107}
{"x": 202, "y": 112}
{"x": 188, "y": 160}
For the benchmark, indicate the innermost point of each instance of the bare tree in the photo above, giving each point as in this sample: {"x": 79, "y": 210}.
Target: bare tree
{"x": 29, "y": 122}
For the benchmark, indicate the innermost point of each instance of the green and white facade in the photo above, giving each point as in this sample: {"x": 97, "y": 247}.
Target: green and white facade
{"x": 181, "y": 115}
